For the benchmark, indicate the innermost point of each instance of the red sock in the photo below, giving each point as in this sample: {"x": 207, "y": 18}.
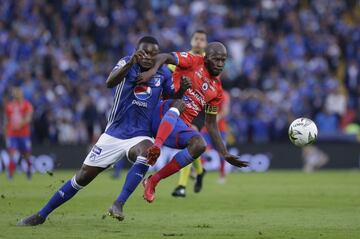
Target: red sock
{"x": 163, "y": 133}
{"x": 11, "y": 168}
{"x": 169, "y": 169}
{"x": 222, "y": 168}
{"x": 166, "y": 126}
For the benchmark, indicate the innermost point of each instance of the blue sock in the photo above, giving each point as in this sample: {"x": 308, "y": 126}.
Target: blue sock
{"x": 183, "y": 157}
{"x": 133, "y": 178}
{"x": 171, "y": 116}
{"x": 67, "y": 191}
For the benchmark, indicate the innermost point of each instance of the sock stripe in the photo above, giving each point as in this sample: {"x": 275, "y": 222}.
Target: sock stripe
{"x": 141, "y": 160}
{"x": 175, "y": 110}
{"x": 74, "y": 184}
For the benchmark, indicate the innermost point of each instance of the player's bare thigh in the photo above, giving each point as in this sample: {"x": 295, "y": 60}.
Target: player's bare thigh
{"x": 179, "y": 104}
{"x": 87, "y": 173}
{"x": 139, "y": 149}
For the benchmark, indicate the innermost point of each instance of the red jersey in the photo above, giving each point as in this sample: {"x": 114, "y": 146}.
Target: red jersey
{"x": 206, "y": 91}
{"x": 15, "y": 112}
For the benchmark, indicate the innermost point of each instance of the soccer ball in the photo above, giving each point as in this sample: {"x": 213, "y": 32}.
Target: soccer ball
{"x": 302, "y": 132}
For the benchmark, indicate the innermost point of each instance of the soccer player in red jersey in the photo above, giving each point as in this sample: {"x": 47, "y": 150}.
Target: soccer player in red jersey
{"x": 18, "y": 114}
{"x": 224, "y": 110}
{"x": 206, "y": 93}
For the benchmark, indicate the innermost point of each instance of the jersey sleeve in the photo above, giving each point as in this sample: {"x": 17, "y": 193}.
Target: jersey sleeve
{"x": 168, "y": 85}
{"x": 213, "y": 106}
{"x": 187, "y": 60}
{"x": 121, "y": 63}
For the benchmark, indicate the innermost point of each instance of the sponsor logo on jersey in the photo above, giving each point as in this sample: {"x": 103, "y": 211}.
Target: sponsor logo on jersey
{"x": 139, "y": 103}
{"x": 142, "y": 92}
{"x": 184, "y": 54}
{"x": 96, "y": 150}
{"x": 198, "y": 96}
{"x": 199, "y": 73}
{"x": 157, "y": 80}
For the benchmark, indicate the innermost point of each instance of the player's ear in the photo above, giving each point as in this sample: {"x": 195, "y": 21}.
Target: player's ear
{"x": 206, "y": 58}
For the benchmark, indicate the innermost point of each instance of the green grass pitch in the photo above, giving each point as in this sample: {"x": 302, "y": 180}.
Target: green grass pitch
{"x": 278, "y": 204}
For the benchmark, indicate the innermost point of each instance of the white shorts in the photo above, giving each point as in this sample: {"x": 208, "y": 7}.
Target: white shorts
{"x": 108, "y": 150}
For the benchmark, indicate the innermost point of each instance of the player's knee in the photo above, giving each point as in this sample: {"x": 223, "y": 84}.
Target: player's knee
{"x": 86, "y": 174}
{"x": 197, "y": 146}
{"x": 179, "y": 104}
{"x": 139, "y": 150}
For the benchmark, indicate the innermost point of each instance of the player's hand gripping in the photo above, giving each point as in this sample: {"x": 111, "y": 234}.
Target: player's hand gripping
{"x": 185, "y": 83}
{"x": 137, "y": 56}
{"x": 234, "y": 160}
{"x": 145, "y": 76}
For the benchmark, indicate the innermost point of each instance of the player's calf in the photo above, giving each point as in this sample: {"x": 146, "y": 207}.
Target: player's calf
{"x": 83, "y": 177}
{"x": 136, "y": 173}
{"x": 196, "y": 147}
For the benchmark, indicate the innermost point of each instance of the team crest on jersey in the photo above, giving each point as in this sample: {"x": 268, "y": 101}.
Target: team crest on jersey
{"x": 157, "y": 81}
{"x": 142, "y": 92}
{"x": 184, "y": 54}
{"x": 205, "y": 86}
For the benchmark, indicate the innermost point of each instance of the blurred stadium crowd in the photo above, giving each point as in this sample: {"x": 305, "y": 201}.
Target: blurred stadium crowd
{"x": 287, "y": 58}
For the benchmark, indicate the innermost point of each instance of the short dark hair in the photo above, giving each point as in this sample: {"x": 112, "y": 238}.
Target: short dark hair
{"x": 148, "y": 39}
{"x": 199, "y": 31}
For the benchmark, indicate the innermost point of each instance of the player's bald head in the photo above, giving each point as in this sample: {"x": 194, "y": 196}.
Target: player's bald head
{"x": 215, "y": 47}
{"x": 215, "y": 57}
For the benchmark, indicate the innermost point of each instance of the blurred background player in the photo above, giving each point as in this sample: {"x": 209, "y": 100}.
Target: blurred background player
{"x": 198, "y": 44}
{"x": 313, "y": 158}
{"x": 18, "y": 115}
{"x": 223, "y": 128}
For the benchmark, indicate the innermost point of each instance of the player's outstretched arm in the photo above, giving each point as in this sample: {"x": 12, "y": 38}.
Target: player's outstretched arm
{"x": 211, "y": 125}
{"x": 160, "y": 59}
{"x": 118, "y": 74}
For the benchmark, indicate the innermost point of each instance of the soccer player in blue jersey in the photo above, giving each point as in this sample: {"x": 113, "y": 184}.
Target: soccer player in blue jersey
{"x": 128, "y": 132}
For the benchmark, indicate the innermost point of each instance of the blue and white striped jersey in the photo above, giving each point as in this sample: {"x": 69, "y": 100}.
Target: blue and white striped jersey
{"x": 134, "y": 105}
